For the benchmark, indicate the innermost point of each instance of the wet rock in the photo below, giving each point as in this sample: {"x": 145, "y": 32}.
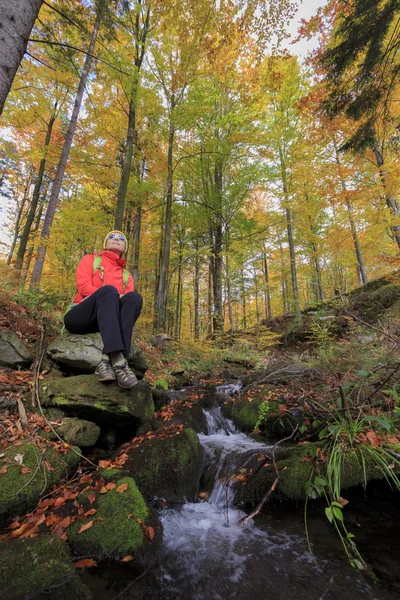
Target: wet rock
{"x": 19, "y": 491}
{"x": 39, "y": 568}
{"x": 13, "y": 352}
{"x": 82, "y": 354}
{"x": 296, "y": 466}
{"x": 123, "y": 520}
{"x": 79, "y": 432}
{"x": 167, "y": 466}
{"x": 189, "y": 415}
{"x": 88, "y": 398}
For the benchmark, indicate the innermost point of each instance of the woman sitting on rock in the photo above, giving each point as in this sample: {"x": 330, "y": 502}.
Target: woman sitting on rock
{"x": 106, "y": 302}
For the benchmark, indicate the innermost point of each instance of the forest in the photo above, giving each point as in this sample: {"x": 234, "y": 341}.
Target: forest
{"x": 250, "y": 185}
{"x": 256, "y": 451}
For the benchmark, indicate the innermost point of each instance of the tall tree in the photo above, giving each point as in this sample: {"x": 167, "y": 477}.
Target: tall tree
{"x": 16, "y": 22}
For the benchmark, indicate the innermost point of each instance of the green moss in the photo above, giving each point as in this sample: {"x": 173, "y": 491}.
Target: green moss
{"x": 294, "y": 472}
{"x": 20, "y": 492}
{"x": 79, "y": 432}
{"x": 41, "y": 568}
{"x": 245, "y": 414}
{"x": 119, "y": 533}
{"x": 84, "y": 395}
{"x": 168, "y": 467}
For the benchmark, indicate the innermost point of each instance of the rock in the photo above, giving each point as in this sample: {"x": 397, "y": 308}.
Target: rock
{"x": 39, "y": 568}
{"x": 79, "y": 432}
{"x": 88, "y": 398}
{"x": 20, "y": 492}
{"x": 82, "y": 354}
{"x": 160, "y": 397}
{"x": 122, "y": 529}
{"x": 190, "y": 415}
{"x": 296, "y": 467}
{"x": 13, "y": 352}
{"x": 167, "y": 466}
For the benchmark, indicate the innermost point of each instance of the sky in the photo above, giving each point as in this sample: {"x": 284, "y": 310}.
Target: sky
{"x": 306, "y": 10}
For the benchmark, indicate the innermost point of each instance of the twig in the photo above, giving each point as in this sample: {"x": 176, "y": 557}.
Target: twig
{"x": 295, "y": 371}
{"x": 135, "y": 580}
{"x": 36, "y": 386}
{"x": 395, "y": 339}
{"x": 384, "y": 382}
{"x": 255, "y": 512}
{"x": 36, "y": 365}
{"x": 34, "y": 474}
{"x": 395, "y": 454}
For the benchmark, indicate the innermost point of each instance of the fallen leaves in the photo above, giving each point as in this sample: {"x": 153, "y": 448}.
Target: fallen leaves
{"x": 122, "y": 488}
{"x": 86, "y": 527}
{"x": 85, "y": 563}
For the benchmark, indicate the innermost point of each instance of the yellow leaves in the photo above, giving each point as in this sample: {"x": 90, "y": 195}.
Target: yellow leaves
{"x": 122, "y": 488}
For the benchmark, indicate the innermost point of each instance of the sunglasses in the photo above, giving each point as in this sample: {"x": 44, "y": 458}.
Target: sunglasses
{"x": 115, "y": 236}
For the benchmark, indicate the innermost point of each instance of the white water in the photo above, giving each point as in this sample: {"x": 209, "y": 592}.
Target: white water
{"x": 207, "y": 555}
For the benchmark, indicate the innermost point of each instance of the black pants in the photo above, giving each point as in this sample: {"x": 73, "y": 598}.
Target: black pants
{"x": 106, "y": 312}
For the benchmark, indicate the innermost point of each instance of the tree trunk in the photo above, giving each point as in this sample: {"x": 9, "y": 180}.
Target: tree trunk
{"x": 196, "y": 293}
{"x": 256, "y": 294}
{"x": 55, "y": 192}
{"x": 140, "y": 34}
{"x": 217, "y": 247}
{"x": 243, "y": 290}
{"x": 18, "y": 221}
{"x": 209, "y": 297}
{"x": 35, "y": 196}
{"x": 289, "y": 226}
{"x": 162, "y": 291}
{"x": 16, "y": 21}
{"x": 179, "y": 293}
{"x": 392, "y": 203}
{"x": 267, "y": 288}
{"x": 360, "y": 260}
{"x": 228, "y": 294}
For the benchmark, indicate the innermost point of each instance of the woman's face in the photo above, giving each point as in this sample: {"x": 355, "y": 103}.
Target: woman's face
{"x": 116, "y": 243}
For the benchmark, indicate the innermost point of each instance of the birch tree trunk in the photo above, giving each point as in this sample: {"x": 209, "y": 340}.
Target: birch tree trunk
{"x": 55, "y": 191}
{"x": 35, "y": 196}
{"x": 17, "y": 18}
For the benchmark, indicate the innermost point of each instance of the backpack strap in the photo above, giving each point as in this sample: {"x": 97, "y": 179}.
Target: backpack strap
{"x": 97, "y": 265}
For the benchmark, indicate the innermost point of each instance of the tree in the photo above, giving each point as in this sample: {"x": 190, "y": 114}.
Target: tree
{"x": 16, "y": 22}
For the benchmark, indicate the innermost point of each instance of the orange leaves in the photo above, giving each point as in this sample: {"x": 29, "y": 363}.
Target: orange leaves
{"x": 373, "y": 440}
{"x": 91, "y": 498}
{"x": 106, "y": 488}
{"x": 86, "y": 527}
{"x": 85, "y": 563}
{"x": 149, "y": 531}
{"x": 122, "y": 488}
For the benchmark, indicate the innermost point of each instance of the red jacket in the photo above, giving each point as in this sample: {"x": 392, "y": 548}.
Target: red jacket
{"x": 88, "y": 282}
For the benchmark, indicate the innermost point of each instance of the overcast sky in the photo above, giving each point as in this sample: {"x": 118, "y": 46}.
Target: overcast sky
{"x": 306, "y": 10}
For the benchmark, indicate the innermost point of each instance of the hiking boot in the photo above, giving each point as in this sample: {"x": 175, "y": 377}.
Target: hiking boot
{"x": 125, "y": 378}
{"x": 105, "y": 371}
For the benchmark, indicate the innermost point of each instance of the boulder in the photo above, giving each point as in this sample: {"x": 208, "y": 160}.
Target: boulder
{"x": 30, "y": 470}
{"x": 79, "y": 432}
{"x": 189, "y": 415}
{"x": 82, "y": 354}
{"x": 120, "y": 525}
{"x": 86, "y": 397}
{"x": 13, "y": 352}
{"x": 296, "y": 467}
{"x": 167, "y": 465}
{"x": 39, "y": 568}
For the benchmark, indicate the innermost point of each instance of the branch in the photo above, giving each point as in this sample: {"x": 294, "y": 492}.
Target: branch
{"x": 78, "y": 50}
{"x": 255, "y": 512}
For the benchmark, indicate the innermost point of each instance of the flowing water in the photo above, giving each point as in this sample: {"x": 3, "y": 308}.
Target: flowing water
{"x": 207, "y": 555}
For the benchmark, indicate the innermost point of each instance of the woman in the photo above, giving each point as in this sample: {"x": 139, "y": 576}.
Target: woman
{"x": 106, "y": 302}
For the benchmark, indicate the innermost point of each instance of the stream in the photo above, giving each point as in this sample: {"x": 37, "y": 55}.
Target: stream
{"x": 205, "y": 554}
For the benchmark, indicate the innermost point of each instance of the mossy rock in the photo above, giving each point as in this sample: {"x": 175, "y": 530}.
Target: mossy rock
{"x": 82, "y": 353}
{"x": 20, "y": 492}
{"x": 243, "y": 414}
{"x": 79, "y": 432}
{"x": 191, "y": 416}
{"x": 371, "y": 305}
{"x": 86, "y": 397}
{"x": 296, "y": 466}
{"x": 124, "y": 518}
{"x": 39, "y": 568}
{"x": 167, "y": 466}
